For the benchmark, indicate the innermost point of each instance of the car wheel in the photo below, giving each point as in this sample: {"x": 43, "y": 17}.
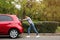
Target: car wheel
{"x": 13, "y": 33}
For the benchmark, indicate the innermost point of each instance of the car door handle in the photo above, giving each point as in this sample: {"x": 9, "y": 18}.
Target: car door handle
{"x": 7, "y": 23}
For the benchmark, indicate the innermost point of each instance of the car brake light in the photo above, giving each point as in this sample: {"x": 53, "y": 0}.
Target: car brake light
{"x": 20, "y": 24}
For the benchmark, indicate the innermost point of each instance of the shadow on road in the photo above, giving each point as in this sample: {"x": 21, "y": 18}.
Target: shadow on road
{"x": 7, "y": 37}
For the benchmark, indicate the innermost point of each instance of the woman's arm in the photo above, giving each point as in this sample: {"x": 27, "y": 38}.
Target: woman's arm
{"x": 24, "y": 19}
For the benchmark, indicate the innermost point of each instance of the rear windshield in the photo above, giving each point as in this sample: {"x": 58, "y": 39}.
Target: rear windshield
{"x": 5, "y": 18}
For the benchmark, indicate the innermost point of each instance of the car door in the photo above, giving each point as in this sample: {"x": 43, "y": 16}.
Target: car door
{"x": 4, "y": 22}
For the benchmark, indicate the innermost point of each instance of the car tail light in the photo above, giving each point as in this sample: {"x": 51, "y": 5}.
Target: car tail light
{"x": 20, "y": 24}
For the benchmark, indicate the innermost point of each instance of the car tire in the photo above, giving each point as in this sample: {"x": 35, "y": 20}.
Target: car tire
{"x": 13, "y": 33}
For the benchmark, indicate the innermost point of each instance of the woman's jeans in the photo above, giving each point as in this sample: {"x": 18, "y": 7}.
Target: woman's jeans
{"x": 32, "y": 26}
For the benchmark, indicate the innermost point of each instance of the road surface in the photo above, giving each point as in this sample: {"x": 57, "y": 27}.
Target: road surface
{"x": 33, "y": 37}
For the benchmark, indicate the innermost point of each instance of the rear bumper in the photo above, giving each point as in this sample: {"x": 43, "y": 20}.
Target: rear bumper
{"x": 21, "y": 30}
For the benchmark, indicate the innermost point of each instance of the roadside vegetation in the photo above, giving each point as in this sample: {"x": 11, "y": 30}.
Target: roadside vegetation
{"x": 38, "y": 10}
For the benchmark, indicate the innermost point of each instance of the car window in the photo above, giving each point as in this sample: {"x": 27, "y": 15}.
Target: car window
{"x": 5, "y": 18}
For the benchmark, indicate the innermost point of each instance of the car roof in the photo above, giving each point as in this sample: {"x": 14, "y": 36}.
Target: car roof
{"x": 6, "y": 14}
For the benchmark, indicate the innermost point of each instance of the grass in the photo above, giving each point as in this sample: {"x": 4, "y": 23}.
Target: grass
{"x": 58, "y": 29}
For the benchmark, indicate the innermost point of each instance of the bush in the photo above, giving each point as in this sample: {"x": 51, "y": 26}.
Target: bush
{"x": 42, "y": 27}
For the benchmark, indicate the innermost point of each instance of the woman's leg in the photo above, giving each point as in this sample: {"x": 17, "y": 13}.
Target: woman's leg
{"x": 33, "y": 26}
{"x": 29, "y": 30}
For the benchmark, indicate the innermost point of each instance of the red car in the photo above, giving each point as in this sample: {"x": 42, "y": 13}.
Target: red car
{"x": 10, "y": 25}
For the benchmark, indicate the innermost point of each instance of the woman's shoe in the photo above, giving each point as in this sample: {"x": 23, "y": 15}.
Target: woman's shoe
{"x": 28, "y": 36}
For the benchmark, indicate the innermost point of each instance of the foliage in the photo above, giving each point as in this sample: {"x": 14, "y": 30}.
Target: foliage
{"x": 46, "y": 10}
{"x": 44, "y": 27}
{"x": 52, "y": 10}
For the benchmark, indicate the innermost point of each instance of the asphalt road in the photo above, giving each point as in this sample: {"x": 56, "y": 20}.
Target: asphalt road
{"x": 33, "y": 37}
